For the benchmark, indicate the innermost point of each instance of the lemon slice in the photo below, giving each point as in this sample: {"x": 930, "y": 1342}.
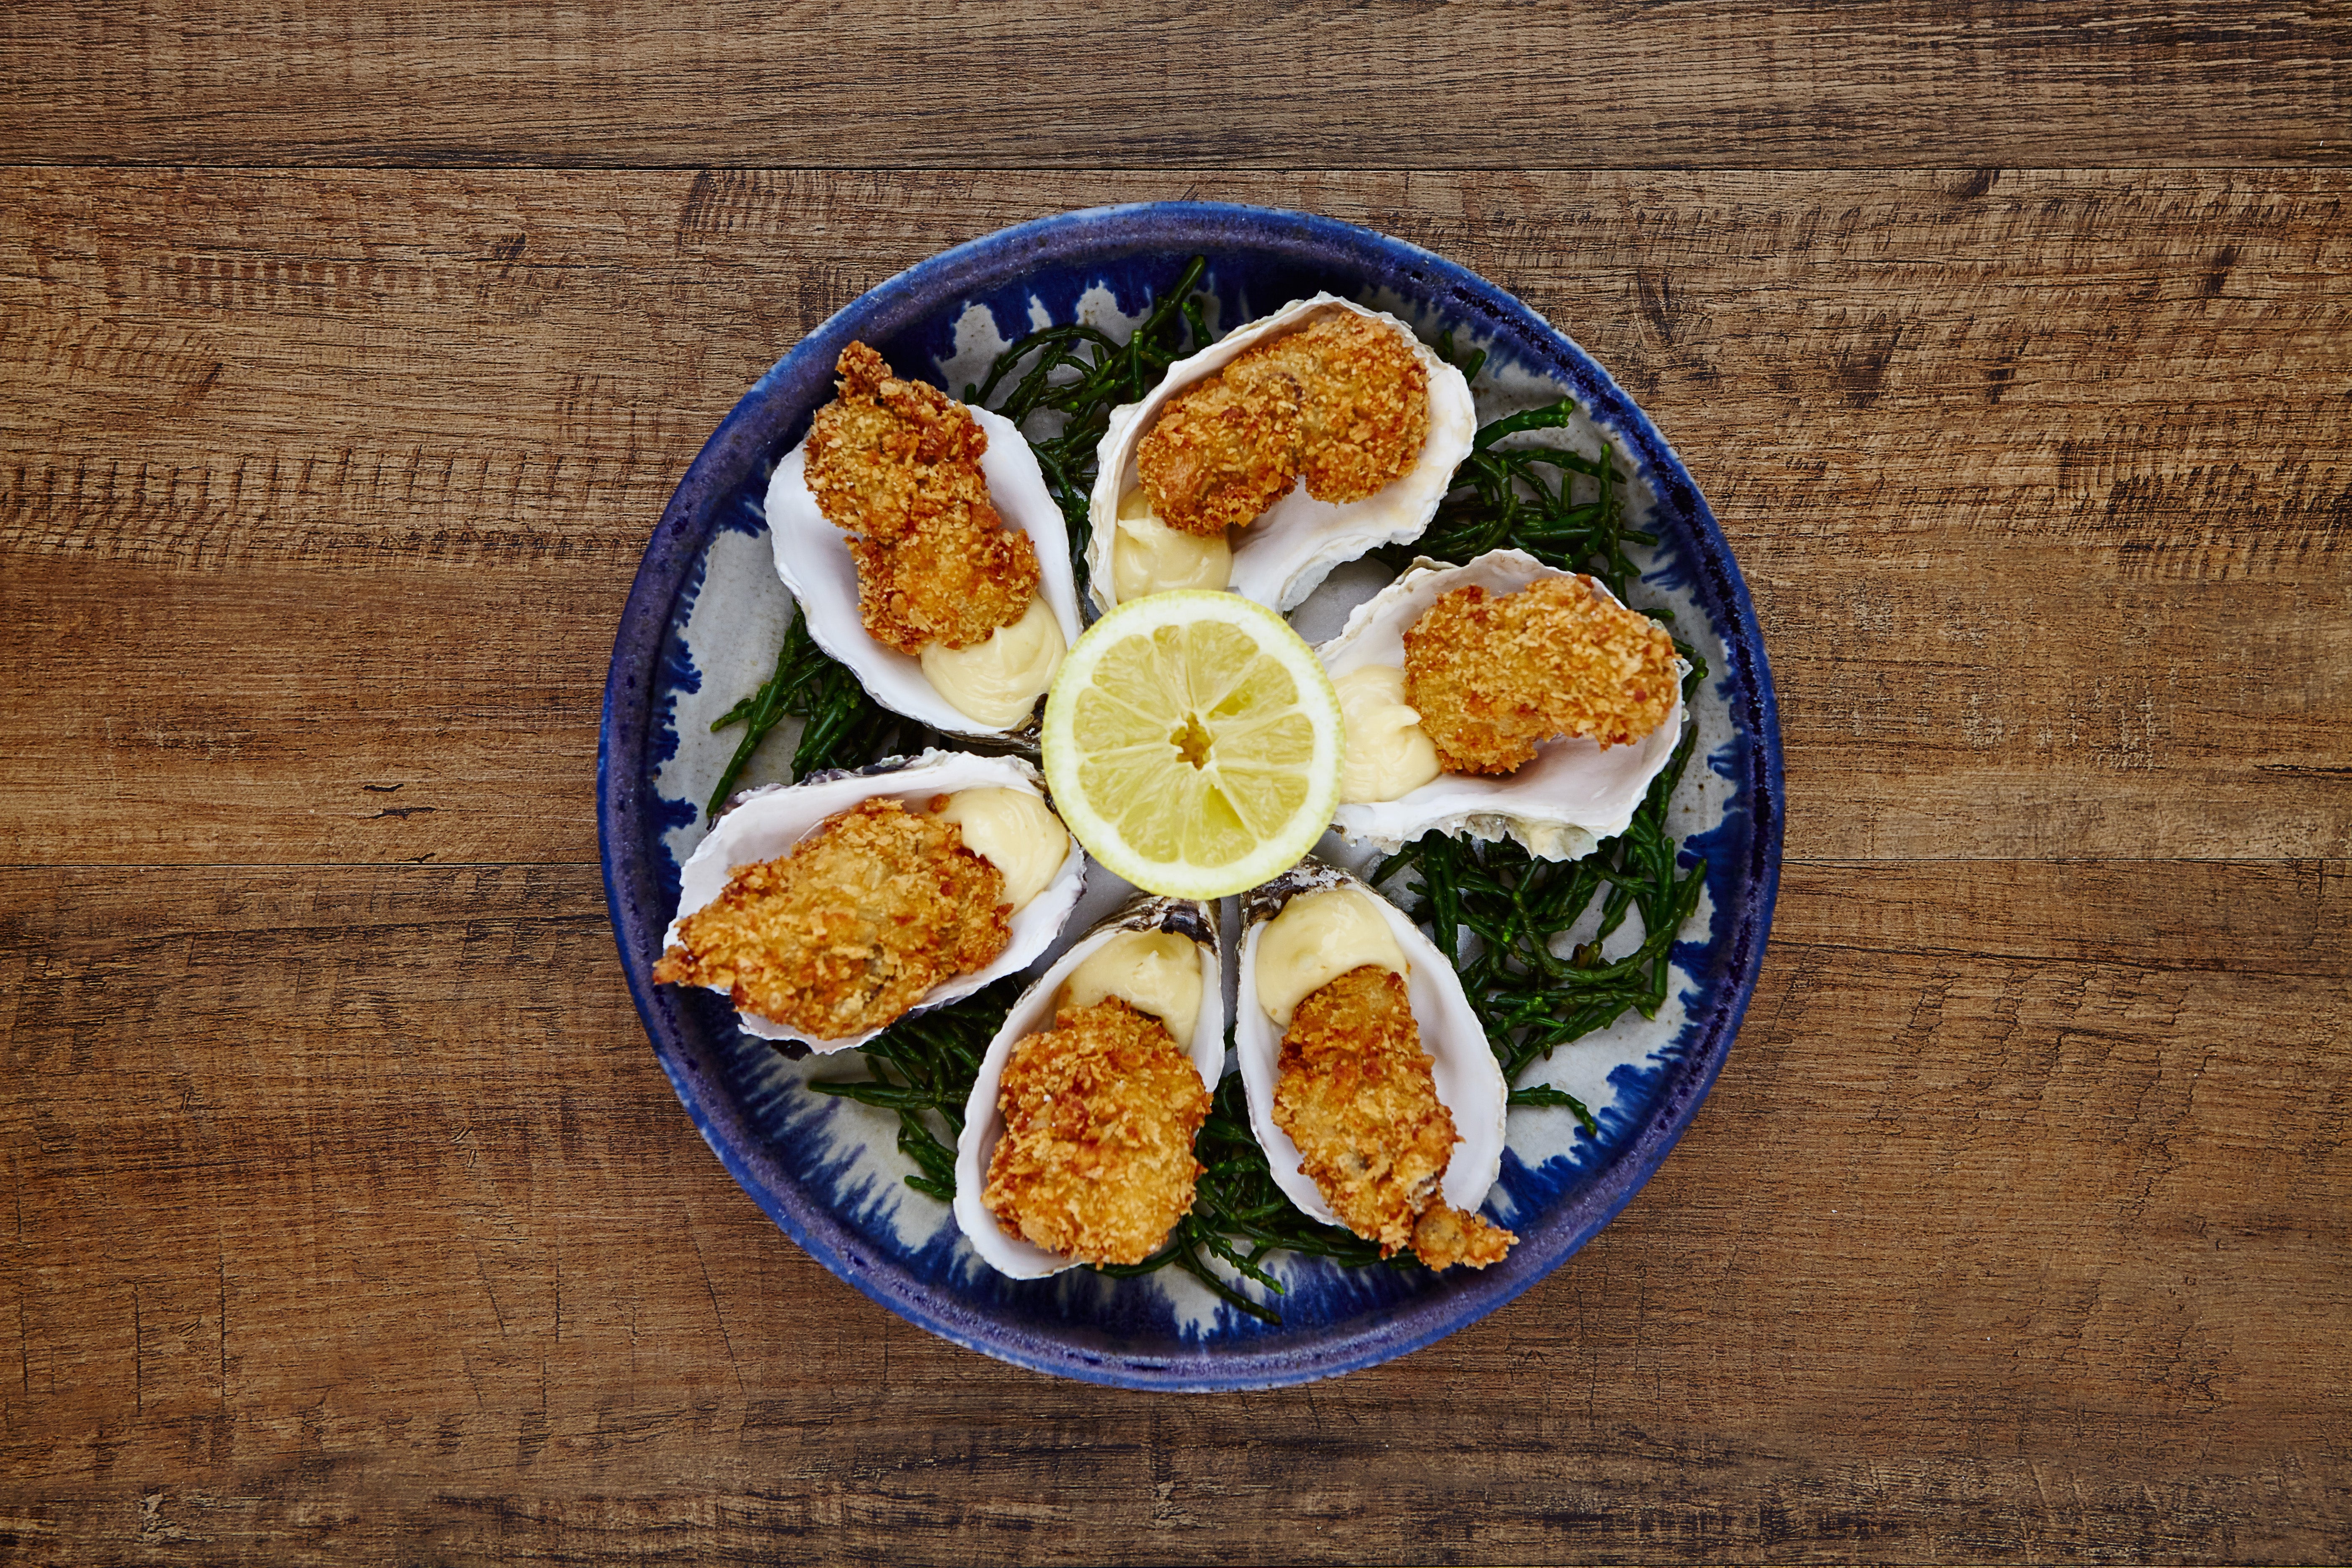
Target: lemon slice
{"x": 1192, "y": 743}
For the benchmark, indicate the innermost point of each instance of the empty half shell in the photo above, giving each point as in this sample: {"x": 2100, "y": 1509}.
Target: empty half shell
{"x": 1469, "y": 1081}
{"x": 1293, "y": 545}
{"x": 1560, "y": 805}
{"x": 984, "y": 1124}
{"x": 764, "y": 824}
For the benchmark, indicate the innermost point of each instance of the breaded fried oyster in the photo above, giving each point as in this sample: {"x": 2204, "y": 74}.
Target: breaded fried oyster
{"x": 925, "y": 552}
{"x": 896, "y": 465}
{"x": 1492, "y": 678}
{"x": 1371, "y": 1083}
{"x": 1357, "y": 1095}
{"x": 1292, "y": 444}
{"x": 887, "y": 451}
{"x": 857, "y": 924}
{"x": 946, "y": 581}
{"x": 1078, "y": 1128}
{"x": 1343, "y": 403}
{"x": 1095, "y": 1162}
{"x": 1363, "y": 403}
{"x": 1511, "y": 657}
{"x": 1224, "y": 450}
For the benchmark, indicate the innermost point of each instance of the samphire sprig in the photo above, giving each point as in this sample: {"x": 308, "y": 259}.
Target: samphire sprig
{"x": 1525, "y": 498}
{"x": 844, "y": 727}
{"x": 1497, "y": 914}
{"x": 924, "y": 1066}
{"x": 1082, "y": 374}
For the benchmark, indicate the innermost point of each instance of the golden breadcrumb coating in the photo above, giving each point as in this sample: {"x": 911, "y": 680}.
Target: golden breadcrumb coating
{"x": 1343, "y": 401}
{"x": 1364, "y": 408}
{"x": 1099, "y": 1112}
{"x": 887, "y": 451}
{"x": 860, "y": 921}
{"x": 1221, "y": 451}
{"x": 948, "y": 579}
{"x": 1493, "y": 678}
{"x": 1358, "y": 1095}
{"x": 895, "y": 464}
{"x": 1444, "y": 1235}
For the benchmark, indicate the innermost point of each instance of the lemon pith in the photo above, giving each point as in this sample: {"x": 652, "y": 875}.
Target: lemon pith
{"x": 1192, "y": 743}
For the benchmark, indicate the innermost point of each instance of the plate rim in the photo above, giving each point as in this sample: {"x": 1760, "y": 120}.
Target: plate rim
{"x": 626, "y": 725}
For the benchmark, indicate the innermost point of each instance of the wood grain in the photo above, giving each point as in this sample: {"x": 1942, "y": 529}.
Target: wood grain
{"x": 1333, "y": 84}
{"x": 347, "y": 356}
{"x": 2033, "y": 476}
{"x": 432, "y": 1266}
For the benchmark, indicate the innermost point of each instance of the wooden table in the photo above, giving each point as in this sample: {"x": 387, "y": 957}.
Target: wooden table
{"x": 349, "y": 354}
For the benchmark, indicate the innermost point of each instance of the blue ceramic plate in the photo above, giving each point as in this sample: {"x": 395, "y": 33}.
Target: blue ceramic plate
{"x": 701, "y": 629}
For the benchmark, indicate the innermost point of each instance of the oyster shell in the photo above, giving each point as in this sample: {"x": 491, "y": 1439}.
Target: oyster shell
{"x": 1296, "y": 543}
{"x": 982, "y": 1123}
{"x": 763, "y": 824}
{"x": 1469, "y": 1081}
{"x": 813, "y": 558}
{"x": 1562, "y": 804}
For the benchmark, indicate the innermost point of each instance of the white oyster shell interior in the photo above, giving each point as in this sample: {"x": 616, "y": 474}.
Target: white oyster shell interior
{"x": 767, "y": 823}
{"x": 1562, "y": 804}
{"x": 1296, "y": 543}
{"x": 983, "y": 1124}
{"x": 813, "y": 558}
{"x": 1469, "y": 1081}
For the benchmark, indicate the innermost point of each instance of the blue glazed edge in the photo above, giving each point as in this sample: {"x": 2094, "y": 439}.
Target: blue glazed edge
{"x": 760, "y": 423}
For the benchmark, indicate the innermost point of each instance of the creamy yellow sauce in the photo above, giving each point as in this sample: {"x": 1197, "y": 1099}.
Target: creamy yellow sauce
{"x": 998, "y": 682}
{"x": 1388, "y": 752}
{"x": 1014, "y": 831}
{"x": 1316, "y": 939}
{"x": 1153, "y": 972}
{"x": 1147, "y": 556}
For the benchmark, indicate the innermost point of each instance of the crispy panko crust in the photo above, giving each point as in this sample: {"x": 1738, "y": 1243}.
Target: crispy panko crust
{"x": 895, "y": 464}
{"x": 1100, "y": 1112}
{"x": 887, "y": 451}
{"x": 948, "y": 579}
{"x": 1365, "y": 403}
{"x": 1221, "y": 451}
{"x": 1357, "y": 1094}
{"x": 1343, "y": 401}
{"x": 860, "y": 922}
{"x": 1493, "y": 678}
{"x": 1444, "y": 1235}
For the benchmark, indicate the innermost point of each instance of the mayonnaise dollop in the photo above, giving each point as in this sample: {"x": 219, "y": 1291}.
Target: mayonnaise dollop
{"x": 1316, "y": 939}
{"x": 1153, "y": 972}
{"x": 1149, "y": 557}
{"x": 1014, "y": 831}
{"x": 998, "y": 681}
{"x": 1387, "y": 755}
